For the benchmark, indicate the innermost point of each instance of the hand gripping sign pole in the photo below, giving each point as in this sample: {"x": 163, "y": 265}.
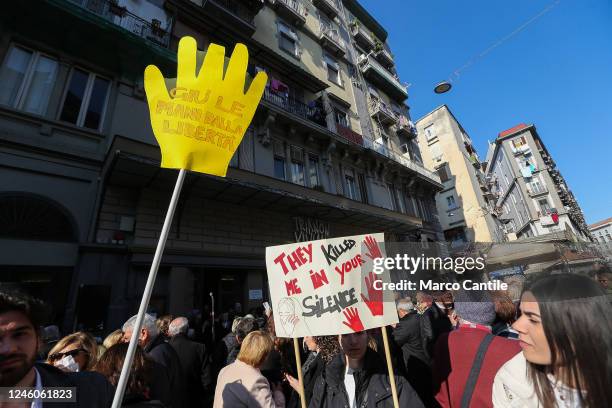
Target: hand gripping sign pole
{"x": 198, "y": 124}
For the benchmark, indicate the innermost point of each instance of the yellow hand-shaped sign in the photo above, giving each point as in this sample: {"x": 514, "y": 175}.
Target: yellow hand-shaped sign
{"x": 200, "y": 123}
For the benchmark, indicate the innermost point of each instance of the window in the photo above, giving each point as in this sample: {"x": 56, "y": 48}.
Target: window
{"x": 436, "y": 152}
{"x": 26, "y": 80}
{"x": 297, "y": 172}
{"x": 351, "y": 190}
{"x": 333, "y": 70}
{"x": 85, "y": 99}
{"x": 519, "y": 141}
{"x": 544, "y": 206}
{"x": 393, "y": 197}
{"x": 444, "y": 172}
{"x": 341, "y": 117}
{"x": 363, "y": 188}
{"x": 450, "y": 201}
{"x": 278, "y": 148}
{"x": 313, "y": 171}
{"x": 430, "y": 132}
{"x": 288, "y": 39}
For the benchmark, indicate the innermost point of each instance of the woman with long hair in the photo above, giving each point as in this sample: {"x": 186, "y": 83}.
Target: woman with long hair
{"x": 137, "y": 392}
{"x": 75, "y": 352}
{"x": 565, "y": 332}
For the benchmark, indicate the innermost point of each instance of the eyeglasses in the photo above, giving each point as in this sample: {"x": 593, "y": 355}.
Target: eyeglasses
{"x": 73, "y": 353}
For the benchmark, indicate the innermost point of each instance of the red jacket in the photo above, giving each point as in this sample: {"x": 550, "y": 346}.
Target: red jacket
{"x": 453, "y": 358}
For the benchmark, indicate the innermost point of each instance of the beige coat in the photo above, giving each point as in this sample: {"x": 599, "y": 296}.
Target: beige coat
{"x": 241, "y": 385}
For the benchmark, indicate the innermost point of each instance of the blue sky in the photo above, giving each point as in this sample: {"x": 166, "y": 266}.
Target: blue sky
{"x": 556, "y": 74}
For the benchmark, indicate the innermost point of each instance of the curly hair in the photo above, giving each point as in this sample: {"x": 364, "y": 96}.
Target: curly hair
{"x": 328, "y": 347}
{"x": 111, "y": 362}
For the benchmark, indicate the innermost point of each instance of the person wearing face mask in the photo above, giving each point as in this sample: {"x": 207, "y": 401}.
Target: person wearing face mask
{"x": 75, "y": 352}
{"x": 565, "y": 335}
{"x": 358, "y": 378}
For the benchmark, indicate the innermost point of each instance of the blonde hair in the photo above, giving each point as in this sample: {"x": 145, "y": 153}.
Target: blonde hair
{"x": 82, "y": 340}
{"x": 113, "y": 338}
{"x": 255, "y": 348}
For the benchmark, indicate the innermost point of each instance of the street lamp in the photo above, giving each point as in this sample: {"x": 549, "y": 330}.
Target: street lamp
{"x": 442, "y": 87}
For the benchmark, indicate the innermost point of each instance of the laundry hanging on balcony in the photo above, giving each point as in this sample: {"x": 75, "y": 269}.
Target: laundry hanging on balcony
{"x": 279, "y": 87}
{"x": 526, "y": 172}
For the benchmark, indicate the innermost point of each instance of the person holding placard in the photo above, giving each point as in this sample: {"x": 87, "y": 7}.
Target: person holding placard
{"x": 358, "y": 378}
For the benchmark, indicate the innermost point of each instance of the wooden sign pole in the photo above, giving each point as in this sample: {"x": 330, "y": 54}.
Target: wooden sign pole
{"x": 390, "y": 367}
{"x": 298, "y": 362}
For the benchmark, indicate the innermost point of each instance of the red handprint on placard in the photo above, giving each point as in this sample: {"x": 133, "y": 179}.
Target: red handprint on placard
{"x": 374, "y": 299}
{"x": 372, "y": 246}
{"x": 353, "y": 319}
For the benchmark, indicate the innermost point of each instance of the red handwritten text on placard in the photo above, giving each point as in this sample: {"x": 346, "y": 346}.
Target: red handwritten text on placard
{"x": 349, "y": 266}
{"x": 301, "y": 256}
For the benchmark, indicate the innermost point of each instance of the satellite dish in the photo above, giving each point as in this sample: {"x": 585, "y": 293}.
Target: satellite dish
{"x": 442, "y": 87}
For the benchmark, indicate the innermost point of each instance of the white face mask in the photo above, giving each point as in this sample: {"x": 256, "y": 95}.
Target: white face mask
{"x": 67, "y": 363}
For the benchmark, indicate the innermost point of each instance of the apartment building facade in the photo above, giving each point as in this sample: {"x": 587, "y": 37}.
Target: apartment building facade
{"x": 602, "y": 231}
{"x": 532, "y": 197}
{"x": 81, "y": 191}
{"x": 464, "y": 207}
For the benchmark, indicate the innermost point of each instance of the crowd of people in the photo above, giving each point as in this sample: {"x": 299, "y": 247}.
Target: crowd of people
{"x": 548, "y": 345}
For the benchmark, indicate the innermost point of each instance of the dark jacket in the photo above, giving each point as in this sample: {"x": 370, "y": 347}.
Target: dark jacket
{"x": 373, "y": 389}
{"x": 311, "y": 373}
{"x": 434, "y": 323}
{"x": 196, "y": 370}
{"x": 163, "y": 354}
{"x": 139, "y": 401}
{"x": 92, "y": 389}
{"x": 222, "y": 350}
{"x": 417, "y": 365}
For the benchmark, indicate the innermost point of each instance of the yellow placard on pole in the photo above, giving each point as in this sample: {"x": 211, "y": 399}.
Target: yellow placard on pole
{"x": 201, "y": 121}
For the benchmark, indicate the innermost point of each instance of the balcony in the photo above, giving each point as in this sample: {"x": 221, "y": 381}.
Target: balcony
{"x": 329, "y": 7}
{"x": 384, "y": 79}
{"x": 536, "y": 189}
{"x": 120, "y": 16}
{"x": 331, "y": 40}
{"x": 385, "y": 58}
{"x": 291, "y": 105}
{"x": 362, "y": 37}
{"x": 405, "y": 128}
{"x": 293, "y": 10}
{"x": 349, "y": 134}
{"x": 399, "y": 158}
{"x": 382, "y": 113}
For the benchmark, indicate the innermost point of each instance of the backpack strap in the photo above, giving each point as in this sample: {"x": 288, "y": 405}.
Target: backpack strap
{"x": 475, "y": 371}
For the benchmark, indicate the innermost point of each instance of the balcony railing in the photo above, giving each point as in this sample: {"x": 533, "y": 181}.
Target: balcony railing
{"x": 398, "y": 157}
{"x": 121, "y": 17}
{"x": 367, "y": 63}
{"x": 238, "y": 8}
{"x": 332, "y": 40}
{"x": 536, "y": 189}
{"x": 291, "y": 105}
{"x": 382, "y": 112}
{"x": 292, "y": 9}
{"x": 385, "y": 57}
{"x": 362, "y": 36}
{"x": 404, "y": 127}
{"x": 329, "y": 7}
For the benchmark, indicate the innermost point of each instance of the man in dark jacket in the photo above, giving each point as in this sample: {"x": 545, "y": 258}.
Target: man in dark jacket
{"x": 164, "y": 355}
{"x": 417, "y": 365}
{"x": 19, "y": 341}
{"x": 434, "y": 321}
{"x": 195, "y": 364}
{"x": 358, "y": 377}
